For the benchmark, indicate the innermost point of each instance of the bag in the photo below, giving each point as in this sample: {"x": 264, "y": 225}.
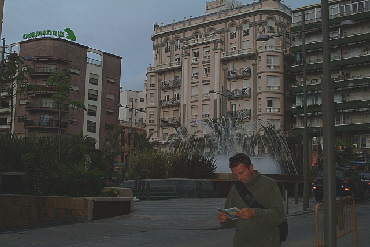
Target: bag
{"x": 283, "y": 228}
{"x": 251, "y": 202}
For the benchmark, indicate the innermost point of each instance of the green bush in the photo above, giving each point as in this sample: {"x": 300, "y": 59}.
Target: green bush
{"x": 81, "y": 182}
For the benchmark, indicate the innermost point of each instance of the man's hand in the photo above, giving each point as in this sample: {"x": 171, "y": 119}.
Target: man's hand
{"x": 222, "y": 217}
{"x": 246, "y": 213}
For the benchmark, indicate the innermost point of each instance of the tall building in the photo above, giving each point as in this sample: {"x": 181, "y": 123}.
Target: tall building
{"x": 94, "y": 78}
{"x": 229, "y": 62}
{"x": 132, "y": 108}
{"x": 350, "y": 57}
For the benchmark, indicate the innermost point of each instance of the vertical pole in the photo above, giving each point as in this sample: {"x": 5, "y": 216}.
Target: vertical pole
{"x": 306, "y": 182}
{"x": 329, "y": 134}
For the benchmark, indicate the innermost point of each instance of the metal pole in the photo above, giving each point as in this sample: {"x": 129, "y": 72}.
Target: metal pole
{"x": 306, "y": 182}
{"x": 329, "y": 134}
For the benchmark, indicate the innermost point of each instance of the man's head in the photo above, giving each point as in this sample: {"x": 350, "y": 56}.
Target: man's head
{"x": 242, "y": 167}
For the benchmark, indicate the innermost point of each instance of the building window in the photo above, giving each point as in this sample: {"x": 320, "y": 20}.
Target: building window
{"x": 109, "y": 111}
{"x": 110, "y": 96}
{"x": 151, "y": 98}
{"x": 94, "y": 79}
{"x": 273, "y": 83}
{"x": 273, "y": 62}
{"x": 22, "y": 119}
{"x": 91, "y": 126}
{"x": 270, "y": 26}
{"x": 91, "y": 110}
{"x": 46, "y": 120}
{"x": 195, "y": 55}
{"x": 92, "y": 95}
{"x": 233, "y": 32}
{"x": 74, "y": 71}
{"x": 111, "y": 80}
{"x": 245, "y": 29}
{"x": 177, "y": 45}
{"x": 168, "y": 46}
{"x": 273, "y": 105}
{"x": 151, "y": 117}
{"x": 3, "y": 121}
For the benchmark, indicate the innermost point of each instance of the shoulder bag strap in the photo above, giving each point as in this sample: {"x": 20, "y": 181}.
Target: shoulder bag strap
{"x": 247, "y": 196}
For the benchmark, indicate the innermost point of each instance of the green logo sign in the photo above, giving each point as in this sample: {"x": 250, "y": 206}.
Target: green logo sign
{"x": 67, "y": 33}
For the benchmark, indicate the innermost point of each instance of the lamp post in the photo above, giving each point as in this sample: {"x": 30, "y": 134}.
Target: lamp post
{"x": 328, "y": 134}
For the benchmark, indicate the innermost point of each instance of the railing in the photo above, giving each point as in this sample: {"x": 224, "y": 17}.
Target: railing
{"x": 40, "y": 105}
{"x": 44, "y": 123}
{"x": 171, "y": 83}
{"x": 243, "y": 72}
{"x": 171, "y": 65}
{"x": 48, "y": 70}
{"x": 239, "y": 93}
{"x": 346, "y": 219}
{"x": 242, "y": 114}
{"x": 238, "y": 52}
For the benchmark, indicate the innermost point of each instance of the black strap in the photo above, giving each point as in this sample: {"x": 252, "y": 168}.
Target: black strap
{"x": 247, "y": 196}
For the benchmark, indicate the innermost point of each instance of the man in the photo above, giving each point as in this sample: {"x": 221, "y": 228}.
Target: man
{"x": 255, "y": 227}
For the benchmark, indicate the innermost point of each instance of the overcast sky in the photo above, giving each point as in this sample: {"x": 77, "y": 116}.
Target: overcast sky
{"x": 120, "y": 27}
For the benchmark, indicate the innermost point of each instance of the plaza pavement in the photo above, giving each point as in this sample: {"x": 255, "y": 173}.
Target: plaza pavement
{"x": 174, "y": 223}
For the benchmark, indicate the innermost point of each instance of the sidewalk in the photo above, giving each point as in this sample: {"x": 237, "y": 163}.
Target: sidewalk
{"x": 176, "y": 222}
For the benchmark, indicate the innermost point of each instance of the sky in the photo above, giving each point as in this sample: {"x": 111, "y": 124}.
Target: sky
{"x": 120, "y": 27}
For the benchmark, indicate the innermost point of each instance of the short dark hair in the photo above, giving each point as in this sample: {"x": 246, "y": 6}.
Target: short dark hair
{"x": 238, "y": 159}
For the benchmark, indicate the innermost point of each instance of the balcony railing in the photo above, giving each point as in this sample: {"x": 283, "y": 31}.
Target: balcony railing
{"x": 239, "y": 93}
{"x": 48, "y": 71}
{"x": 238, "y": 52}
{"x": 171, "y": 83}
{"x": 165, "y": 66}
{"x": 44, "y": 123}
{"x": 42, "y": 89}
{"x": 243, "y": 114}
{"x": 243, "y": 72}
{"x": 170, "y": 102}
{"x": 51, "y": 106}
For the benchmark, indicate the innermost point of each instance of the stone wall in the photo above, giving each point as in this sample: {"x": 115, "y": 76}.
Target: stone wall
{"x": 18, "y": 211}
{"x": 23, "y": 211}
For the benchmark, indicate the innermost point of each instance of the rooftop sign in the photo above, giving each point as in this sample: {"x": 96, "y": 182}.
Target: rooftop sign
{"x": 67, "y": 33}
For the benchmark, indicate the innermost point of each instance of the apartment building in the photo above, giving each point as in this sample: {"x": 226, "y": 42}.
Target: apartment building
{"x": 230, "y": 62}
{"x": 350, "y": 57}
{"x": 132, "y": 108}
{"x": 94, "y": 78}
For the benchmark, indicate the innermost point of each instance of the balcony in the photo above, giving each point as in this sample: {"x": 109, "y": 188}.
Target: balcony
{"x": 248, "y": 52}
{"x": 239, "y": 73}
{"x": 172, "y": 121}
{"x": 168, "y": 84}
{"x": 204, "y": 40}
{"x": 47, "y": 71}
{"x": 239, "y": 93}
{"x": 44, "y": 124}
{"x": 42, "y": 89}
{"x": 45, "y": 106}
{"x": 165, "y": 66}
{"x": 241, "y": 114}
{"x": 170, "y": 102}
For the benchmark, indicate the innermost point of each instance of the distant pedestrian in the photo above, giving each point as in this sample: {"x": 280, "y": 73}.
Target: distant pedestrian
{"x": 254, "y": 226}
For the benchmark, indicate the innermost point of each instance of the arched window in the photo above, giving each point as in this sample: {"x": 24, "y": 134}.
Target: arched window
{"x": 245, "y": 29}
{"x": 270, "y": 25}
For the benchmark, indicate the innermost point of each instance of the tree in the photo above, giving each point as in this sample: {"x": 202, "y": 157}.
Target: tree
{"x": 61, "y": 99}
{"x": 13, "y": 80}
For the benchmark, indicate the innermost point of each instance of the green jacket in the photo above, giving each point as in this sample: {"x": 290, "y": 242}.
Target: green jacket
{"x": 262, "y": 230}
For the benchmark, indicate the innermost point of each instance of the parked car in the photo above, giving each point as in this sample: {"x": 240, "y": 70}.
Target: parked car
{"x": 348, "y": 182}
{"x": 366, "y": 177}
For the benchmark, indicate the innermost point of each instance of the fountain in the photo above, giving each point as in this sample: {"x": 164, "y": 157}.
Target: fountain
{"x": 225, "y": 137}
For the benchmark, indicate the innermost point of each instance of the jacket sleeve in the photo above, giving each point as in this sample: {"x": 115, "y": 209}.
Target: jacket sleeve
{"x": 273, "y": 213}
{"x": 230, "y": 202}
